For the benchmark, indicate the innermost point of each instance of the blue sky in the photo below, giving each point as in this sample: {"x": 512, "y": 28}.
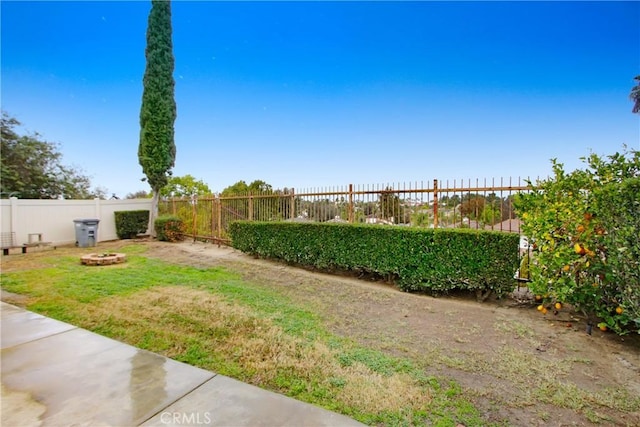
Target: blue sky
{"x": 314, "y": 94}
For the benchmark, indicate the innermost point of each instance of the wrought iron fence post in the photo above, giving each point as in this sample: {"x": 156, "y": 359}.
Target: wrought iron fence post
{"x": 435, "y": 203}
{"x": 351, "y": 212}
{"x": 194, "y": 202}
{"x": 219, "y": 209}
{"x": 292, "y": 215}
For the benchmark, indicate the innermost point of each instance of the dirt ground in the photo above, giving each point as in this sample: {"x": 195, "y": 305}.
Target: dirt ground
{"x": 516, "y": 364}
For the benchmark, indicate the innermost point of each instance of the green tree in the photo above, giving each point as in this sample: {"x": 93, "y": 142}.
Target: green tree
{"x": 472, "y": 206}
{"x": 140, "y": 194}
{"x": 490, "y": 215}
{"x": 584, "y": 224}
{"x": 322, "y": 210}
{"x": 507, "y": 208}
{"x": 262, "y": 209}
{"x": 422, "y": 218}
{"x": 260, "y": 187}
{"x": 31, "y": 168}
{"x": 184, "y": 186}
{"x": 618, "y": 208}
{"x": 157, "y": 150}
{"x": 449, "y": 201}
{"x": 635, "y": 96}
{"x": 283, "y": 203}
{"x": 390, "y": 206}
{"x": 241, "y": 188}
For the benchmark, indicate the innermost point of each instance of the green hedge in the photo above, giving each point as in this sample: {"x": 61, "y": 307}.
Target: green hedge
{"x": 169, "y": 228}
{"x": 417, "y": 259}
{"x": 131, "y": 223}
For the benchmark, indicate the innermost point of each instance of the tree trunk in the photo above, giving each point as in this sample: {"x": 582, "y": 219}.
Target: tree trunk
{"x": 153, "y": 214}
{"x": 481, "y": 296}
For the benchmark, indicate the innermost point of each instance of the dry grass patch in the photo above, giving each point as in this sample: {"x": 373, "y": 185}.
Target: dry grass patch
{"x": 230, "y": 339}
{"x": 376, "y": 392}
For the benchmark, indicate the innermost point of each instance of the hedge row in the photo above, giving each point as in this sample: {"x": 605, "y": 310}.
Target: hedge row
{"x": 131, "y": 223}
{"x": 416, "y": 259}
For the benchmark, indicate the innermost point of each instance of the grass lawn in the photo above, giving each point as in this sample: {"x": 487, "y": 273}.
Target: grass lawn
{"x": 211, "y": 318}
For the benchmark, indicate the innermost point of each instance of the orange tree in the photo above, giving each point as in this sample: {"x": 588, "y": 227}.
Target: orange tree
{"x": 585, "y": 227}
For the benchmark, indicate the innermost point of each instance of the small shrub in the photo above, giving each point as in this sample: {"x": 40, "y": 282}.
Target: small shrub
{"x": 131, "y": 223}
{"x": 169, "y": 228}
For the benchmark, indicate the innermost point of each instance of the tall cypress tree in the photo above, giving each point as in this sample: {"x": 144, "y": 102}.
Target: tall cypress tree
{"x": 157, "y": 150}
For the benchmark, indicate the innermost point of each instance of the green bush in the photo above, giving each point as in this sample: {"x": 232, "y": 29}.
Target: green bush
{"x": 131, "y": 223}
{"x": 585, "y": 224}
{"x": 617, "y": 207}
{"x": 169, "y": 228}
{"x": 416, "y": 259}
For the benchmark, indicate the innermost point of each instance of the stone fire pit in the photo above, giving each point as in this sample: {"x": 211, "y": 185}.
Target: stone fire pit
{"x": 106, "y": 258}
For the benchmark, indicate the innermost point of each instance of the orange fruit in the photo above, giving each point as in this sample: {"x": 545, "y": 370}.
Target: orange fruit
{"x": 619, "y": 310}
{"x": 580, "y": 228}
{"x": 566, "y": 268}
{"x": 587, "y": 216}
{"x": 538, "y": 297}
{"x": 578, "y": 248}
{"x": 558, "y": 306}
{"x": 540, "y": 307}
{"x": 603, "y": 327}
{"x": 544, "y": 310}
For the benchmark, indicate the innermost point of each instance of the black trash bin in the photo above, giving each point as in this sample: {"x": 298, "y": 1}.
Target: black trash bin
{"x": 86, "y": 232}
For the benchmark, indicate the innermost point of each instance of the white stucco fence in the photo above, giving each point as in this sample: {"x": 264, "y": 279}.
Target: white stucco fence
{"x": 54, "y": 218}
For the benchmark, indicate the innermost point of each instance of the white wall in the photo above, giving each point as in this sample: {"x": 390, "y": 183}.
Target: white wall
{"x": 54, "y": 218}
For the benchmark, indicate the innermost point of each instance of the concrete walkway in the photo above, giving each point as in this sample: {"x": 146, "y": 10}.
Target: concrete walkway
{"x": 55, "y": 374}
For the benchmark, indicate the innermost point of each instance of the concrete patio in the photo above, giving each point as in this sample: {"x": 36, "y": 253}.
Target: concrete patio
{"x": 56, "y": 374}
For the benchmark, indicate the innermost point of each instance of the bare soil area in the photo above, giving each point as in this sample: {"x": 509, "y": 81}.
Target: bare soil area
{"x": 518, "y": 366}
